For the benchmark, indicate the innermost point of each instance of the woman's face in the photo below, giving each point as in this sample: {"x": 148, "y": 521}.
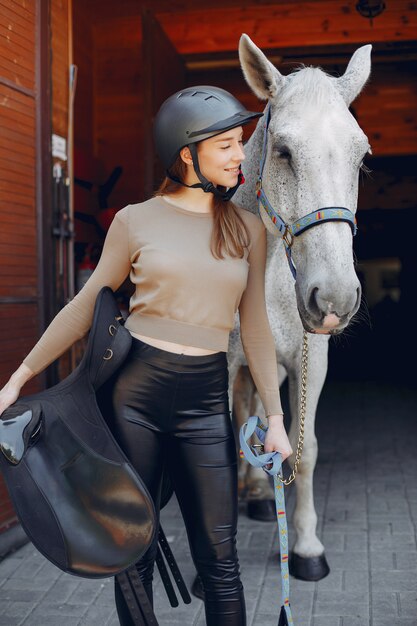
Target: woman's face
{"x": 219, "y": 157}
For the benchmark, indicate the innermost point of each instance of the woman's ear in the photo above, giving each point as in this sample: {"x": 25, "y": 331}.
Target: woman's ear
{"x": 185, "y": 155}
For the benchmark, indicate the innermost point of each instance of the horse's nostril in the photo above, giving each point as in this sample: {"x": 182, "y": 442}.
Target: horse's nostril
{"x": 322, "y": 302}
{"x": 358, "y": 297}
{"x": 313, "y": 306}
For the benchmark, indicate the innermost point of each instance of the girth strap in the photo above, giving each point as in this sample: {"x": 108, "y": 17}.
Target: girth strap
{"x": 163, "y": 572}
{"x": 182, "y": 588}
{"x": 134, "y": 592}
{"x": 136, "y": 598}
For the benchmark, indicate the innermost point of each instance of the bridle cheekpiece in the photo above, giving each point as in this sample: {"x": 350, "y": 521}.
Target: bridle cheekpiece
{"x": 289, "y": 231}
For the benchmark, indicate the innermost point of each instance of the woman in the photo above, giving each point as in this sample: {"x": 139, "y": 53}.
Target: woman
{"x": 195, "y": 259}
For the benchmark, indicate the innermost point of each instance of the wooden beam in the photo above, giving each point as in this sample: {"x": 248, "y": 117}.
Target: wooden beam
{"x": 322, "y": 56}
{"x": 107, "y": 9}
{"x": 291, "y": 24}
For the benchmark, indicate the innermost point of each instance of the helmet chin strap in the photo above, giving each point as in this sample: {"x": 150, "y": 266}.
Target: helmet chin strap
{"x": 205, "y": 184}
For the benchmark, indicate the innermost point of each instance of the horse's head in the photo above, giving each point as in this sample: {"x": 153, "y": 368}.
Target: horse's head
{"x": 315, "y": 149}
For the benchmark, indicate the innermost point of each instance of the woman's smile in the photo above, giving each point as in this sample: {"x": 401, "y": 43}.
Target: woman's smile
{"x": 220, "y": 157}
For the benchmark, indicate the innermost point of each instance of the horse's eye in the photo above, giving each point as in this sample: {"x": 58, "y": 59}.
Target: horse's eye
{"x": 284, "y": 153}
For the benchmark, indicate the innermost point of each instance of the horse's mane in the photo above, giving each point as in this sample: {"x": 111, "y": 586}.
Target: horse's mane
{"x": 309, "y": 84}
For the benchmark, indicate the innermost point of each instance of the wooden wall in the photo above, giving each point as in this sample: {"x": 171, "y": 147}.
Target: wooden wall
{"x": 30, "y": 63}
{"x": 108, "y": 102}
{"x": 285, "y": 24}
{"x": 60, "y": 60}
{"x": 84, "y": 59}
{"x": 320, "y": 32}
{"x": 19, "y": 306}
{"x": 118, "y": 103}
{"x": 387, "y": 109}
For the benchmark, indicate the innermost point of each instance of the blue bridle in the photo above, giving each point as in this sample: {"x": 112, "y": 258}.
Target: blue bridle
{"x": 315, "y": 218}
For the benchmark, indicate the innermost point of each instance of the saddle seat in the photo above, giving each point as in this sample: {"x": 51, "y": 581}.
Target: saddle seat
{"x": 18, "y": 431}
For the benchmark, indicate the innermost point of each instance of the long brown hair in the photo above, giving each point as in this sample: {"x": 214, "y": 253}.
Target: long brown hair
{"x": 230, "y": 234}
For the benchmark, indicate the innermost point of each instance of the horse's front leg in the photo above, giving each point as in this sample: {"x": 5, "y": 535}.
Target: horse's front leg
{"x": 307, "y": 560}
{"x": 241, "y": 388}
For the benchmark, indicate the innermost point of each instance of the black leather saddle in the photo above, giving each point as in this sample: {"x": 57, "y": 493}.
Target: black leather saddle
{"x": 75, "y": 493}
{"x": 77, "y": 497}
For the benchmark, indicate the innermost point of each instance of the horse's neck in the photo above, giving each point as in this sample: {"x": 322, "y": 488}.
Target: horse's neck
{"x": 276, "y": 264}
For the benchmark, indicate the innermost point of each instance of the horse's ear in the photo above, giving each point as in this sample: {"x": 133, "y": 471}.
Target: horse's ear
{"x": 357, "y": 73}
{"x": 262, "y": 77}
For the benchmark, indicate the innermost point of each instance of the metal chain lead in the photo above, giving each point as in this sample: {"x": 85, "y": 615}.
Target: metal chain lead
{"x": 303, "y": 404}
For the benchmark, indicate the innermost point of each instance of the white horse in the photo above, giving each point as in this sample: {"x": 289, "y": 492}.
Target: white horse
{"x": 314, "y": 154}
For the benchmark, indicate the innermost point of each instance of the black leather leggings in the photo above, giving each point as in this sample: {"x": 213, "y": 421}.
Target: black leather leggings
{"x": 173, "y": 409}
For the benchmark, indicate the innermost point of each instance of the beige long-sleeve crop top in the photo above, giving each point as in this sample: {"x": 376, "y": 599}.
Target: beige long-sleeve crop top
{"x": 182, "y": 293}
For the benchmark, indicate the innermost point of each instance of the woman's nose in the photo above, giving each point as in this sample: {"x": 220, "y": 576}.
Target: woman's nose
{"x": 239, "y": 153}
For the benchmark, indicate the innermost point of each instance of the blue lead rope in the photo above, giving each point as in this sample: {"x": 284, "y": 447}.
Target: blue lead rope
{"x": 271, "y": 463}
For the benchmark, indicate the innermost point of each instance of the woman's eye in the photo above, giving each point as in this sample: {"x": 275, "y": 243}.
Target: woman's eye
{"x": 224, "y": 147}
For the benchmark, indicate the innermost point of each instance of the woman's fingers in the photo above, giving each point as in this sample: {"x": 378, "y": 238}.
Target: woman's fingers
{"x": 8, "y": 395}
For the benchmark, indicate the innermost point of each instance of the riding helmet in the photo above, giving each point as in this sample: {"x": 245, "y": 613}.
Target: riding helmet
{"x": 192, "y": 115}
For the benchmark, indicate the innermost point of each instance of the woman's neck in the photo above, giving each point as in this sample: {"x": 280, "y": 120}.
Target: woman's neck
{"x": 192, "y": 200}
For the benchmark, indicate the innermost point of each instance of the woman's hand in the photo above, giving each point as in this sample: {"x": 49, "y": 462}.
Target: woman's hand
{"x": 11, "y": 390}
{"x": 276, "y": 439}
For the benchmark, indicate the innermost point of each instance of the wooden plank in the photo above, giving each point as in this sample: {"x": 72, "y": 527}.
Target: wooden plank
{"x": 21, "y": 7}
{"x": 286, "y": 25}
{"x": 20, "y": 123}
{"x": 26, "y": 231}
{"x": 20, "y": 311}
{"x": 13, "y": 266}
{"x": 7, "y": 291}
{"x": 17, "y": 36}
{"x": 12, "y": 100}
{"x": 16, "y": 200}
{"x": 28, "y": 254}
{"x": 8, "y": 285}
{"x": 22, "y": 60}
{"x": 104, "y": 9}
{"x": 15, "y": 44}
{"x": 60, "y": 67}
{"x": 18, "y": 139}
{"x": 84, "y": 58}
{"x": 10, "y": 15}
{"x": 10, "y": 264}
{"x": 12, "y": 164}
{"x": 119, "y": 33}
{"x": 27, "y": 220}
{"x": 20, "y": 193}
{"x": 118, "y": 102}
{"x": 12, "y": 111}
{"x": 17, "y": 75}
{"x": 13, "y": 153}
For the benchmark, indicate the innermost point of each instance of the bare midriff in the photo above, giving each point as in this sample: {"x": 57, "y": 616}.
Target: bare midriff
{"x": 169, "y": 346}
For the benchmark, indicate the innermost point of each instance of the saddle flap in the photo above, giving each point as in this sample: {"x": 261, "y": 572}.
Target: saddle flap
{"x": 19, "y": 426}
{"x": 109, "y": 341}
